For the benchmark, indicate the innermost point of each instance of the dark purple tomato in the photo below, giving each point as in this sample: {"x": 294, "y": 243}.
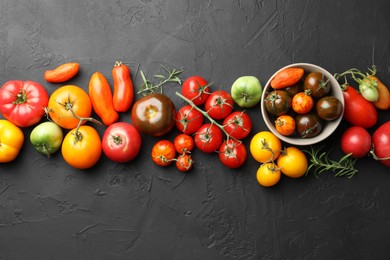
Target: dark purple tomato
{"x": 278, "y": 102}
{"x": 329, "y": 108}
{"x": 308, "y": 125}
{"x": 317, "y": 83}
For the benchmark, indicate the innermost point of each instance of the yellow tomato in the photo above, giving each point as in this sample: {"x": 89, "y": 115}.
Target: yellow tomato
{"x": 82, "y": 150}
{"x": 292, "y": 162}
{"x": 11, "y": 141}
{"x": 268, "y": 174}
{"x": 265, "y": 146}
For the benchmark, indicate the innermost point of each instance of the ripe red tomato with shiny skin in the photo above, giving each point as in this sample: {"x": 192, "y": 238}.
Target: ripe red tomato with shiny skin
{"x": 184, "y": 162}
{"x": 219, "y": 104}
{"x": 23, "y": 102}
{"x": 232, "y": 153}
{"x": 121, "y": 142}
{"x": 238, "y": 124}
{"x": 196, "y": 89}
{"x": 163, "y": 152}
{"x": 184, "y": 143}
{"x": 357, "y": 141}
{"x": 208, "y": 138}
{"x": 188, "y": 119}
{"x": 381, "y": 144}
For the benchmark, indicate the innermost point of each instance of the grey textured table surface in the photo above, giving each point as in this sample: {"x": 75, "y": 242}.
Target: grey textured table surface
{"x": 140, "y": 211}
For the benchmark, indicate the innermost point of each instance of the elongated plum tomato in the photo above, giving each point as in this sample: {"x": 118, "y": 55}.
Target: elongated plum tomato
{"x": 121, "y": 142}
{"x": 153, "y": 114}
{"x": 65, "y": 101}
{"x": 47, "y": 138}
{"x": 82, "y": 149}
{"x": 356, "y": 141}
{"x": 11, "y": 141}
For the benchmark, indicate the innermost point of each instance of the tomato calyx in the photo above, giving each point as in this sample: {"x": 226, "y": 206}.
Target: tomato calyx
{"x": 21, "y": 97}
{"x": 117, "y": 139}
{"x": 202, "y": 89}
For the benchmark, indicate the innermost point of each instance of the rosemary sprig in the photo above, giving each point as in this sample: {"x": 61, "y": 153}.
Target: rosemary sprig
{"x": 320, "y": 163}
{"x": 148, "y": 87}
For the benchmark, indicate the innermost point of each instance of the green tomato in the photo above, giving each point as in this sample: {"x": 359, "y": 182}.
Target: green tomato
{"x": 47, "y": 138}
{"x": 246, "y": 91}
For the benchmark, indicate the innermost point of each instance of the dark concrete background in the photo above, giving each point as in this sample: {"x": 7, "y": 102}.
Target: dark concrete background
{"x": 140, "y": 211}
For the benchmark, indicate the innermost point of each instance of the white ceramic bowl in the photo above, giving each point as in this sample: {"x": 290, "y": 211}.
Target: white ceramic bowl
{"x": 328, "y": 127}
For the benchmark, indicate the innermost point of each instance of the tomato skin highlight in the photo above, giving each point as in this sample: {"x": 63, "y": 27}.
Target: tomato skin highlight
{"x": 101, "y": 97}
{"x": 11, "y": 141}
{"x": 381, "y": 144}
{"x": 23, "y": 102}
{"x": 82, "y": 150}
{"x": 123, "y": 95}
{"x": 121, "y": 142}
{"x": 356, "y": 141}
{"x": 62, "y": 73}
{"x": 358, "y": 111}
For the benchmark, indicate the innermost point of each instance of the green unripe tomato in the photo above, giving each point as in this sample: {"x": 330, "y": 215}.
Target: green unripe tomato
{"x": 246, "y": 91}
{"x": 47, "y": 138}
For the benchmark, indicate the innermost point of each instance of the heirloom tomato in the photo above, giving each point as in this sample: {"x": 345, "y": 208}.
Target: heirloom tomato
{"x": 356, "y": 141}
{"x": 62, "y": 73}
{"x": 268, "y": 174}
{"x": 246, "y": 91}
{"x": 11, "y": 141}
{"x": 318, "y": 85}
{"x": 286, "y": 77}
{"x": 381, "y": 144}
{"x": 184, "y": 143}
{"x": 232, "y": 153}
{"x": 277, "y": 102}
{"x": 153, "y": 114}
{"x": 163, "y": 152}
{"x": 188, "y": 119}
{"x": 302, "y": 102}
{"x": 219, "y": 104}
{"x": 285, "y": 125}
{"x": 265, "y": 146}
{"x": 329, "y": 108}
{"x": 82, "y": 147}
{"x": 184, "y": 162}
{"x": 308, "y": 125}
{"x": 123, "y": 95}
{"x": 121, "y": 142}
{"x": 208, "y": 138}
{"x": 66, "y": 102}
{"x": 196, "y": 89}
{"x": 23, "y": 102}
{"x": 292, "y": 162}
{"x": 47, "y": 138}
{"x": 238, "y": 125}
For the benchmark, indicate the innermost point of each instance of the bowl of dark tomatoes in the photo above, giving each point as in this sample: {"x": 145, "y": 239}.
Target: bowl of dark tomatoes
{"x": 302, "y": 104}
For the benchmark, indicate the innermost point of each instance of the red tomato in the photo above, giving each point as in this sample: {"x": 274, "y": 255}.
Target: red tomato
{"x": 121, "y": 142}
{"x": 381, "y": 144}
{"x": 163, "y": 153}
{"x": 184, "y": 162}
{"x": 188, "y": 119}
{"x": 219, "y": 104}
{"x": 357, "y": 141}
{"x": 232, "y": 153}
{"x": 208, "y": 138}
{"x": 358, "y": 111}
{"x": 302, "y": 103}
{"x": 184, "y": 143}
{"x": 238, "y": 124}
{"x": 197, "y": 89}
{"x": 23, "y": 102}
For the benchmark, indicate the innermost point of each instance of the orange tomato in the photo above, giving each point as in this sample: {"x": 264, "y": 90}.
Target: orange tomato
{"x": 265, "y": 146}
{"x": 286, "y": 77}
{"x": 101, "y": 98}
{"x": 285, "y": 125}
{"x": 82, "y": 149}
{"x": 302, "y": 102}
{"x": 11, "y": 141}
{"x": 62, "y": 73}
{"x": 383, "y": 102}
{"x": 66, "y": 99}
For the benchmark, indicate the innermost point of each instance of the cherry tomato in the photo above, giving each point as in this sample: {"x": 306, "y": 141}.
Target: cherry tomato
{"x": 121, "y": 142}
{"x": 196, "y": 89}
{"x": 381, "y": 144}
{"x": 82, "y": 148}
{"x": 232, "y": 153}
{"x": 238, "y": 124}
{"x": 62, "y": 73}
{"x": 208, "y": 138}
{"x": 184, "y": 162}
{"x": 265, "y": 146}
{"x": 23, "y": 102}
{"x": 318, "y": 85}
{"x": 302, "y": 102}
{"x": 329, "y": 108}
{"x": 184, "y": 143}
{"x": 285, "y": 125}
{"x": 188, "y": 119}
{"x": 292, "y": 162}
{"x": 277, "y": 102}
{"x": 66, "y": 99}
{"x": 219, "y": 104}
{"x": 163, "y": 152}
{"x": 308, "y": 125}
{"x": 268, "y": 174}
{"x": 356, "y": 141}
{"x": 11, "y": 141}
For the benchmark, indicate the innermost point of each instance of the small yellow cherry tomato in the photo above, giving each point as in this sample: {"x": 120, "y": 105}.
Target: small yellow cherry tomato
{"x": 265, "y": 146}
{"x": 268, "y": 174}
{"x": 292, "y": 162}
